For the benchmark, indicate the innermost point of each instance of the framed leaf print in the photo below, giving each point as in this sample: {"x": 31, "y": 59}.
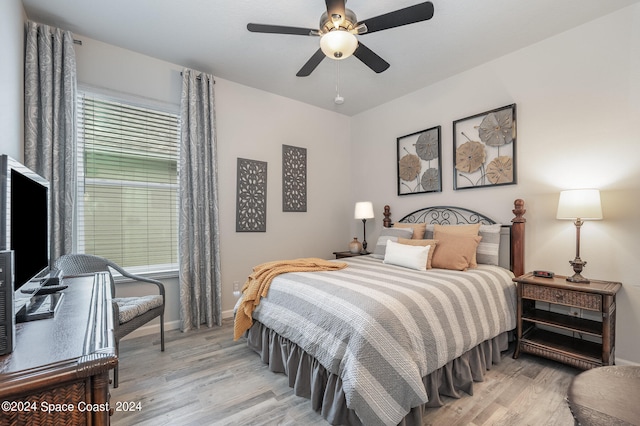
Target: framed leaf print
{"x": 418, "y": 162}
{"x": 484, "y": 149}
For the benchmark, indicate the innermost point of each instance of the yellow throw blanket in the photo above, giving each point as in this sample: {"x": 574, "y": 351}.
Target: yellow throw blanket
{"x": 258, "y": 283}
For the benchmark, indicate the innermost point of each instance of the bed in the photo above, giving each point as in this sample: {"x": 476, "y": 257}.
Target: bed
{"x": 377, "y": 342}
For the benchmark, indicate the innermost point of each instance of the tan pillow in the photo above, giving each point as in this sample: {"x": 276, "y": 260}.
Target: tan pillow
{"x": 418, "y": 229}
{"x": 455, "y": 251}
{"x": 471, "y": 229}
{"x": 412, "y": 242}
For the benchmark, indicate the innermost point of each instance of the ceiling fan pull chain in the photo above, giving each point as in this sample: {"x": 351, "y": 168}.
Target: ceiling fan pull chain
{"x": 339, "y": 100}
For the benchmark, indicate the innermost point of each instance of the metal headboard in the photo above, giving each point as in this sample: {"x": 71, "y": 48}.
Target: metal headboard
{"x": 511, "y": 252}
{"x": 450, "y": 215}
{"x": 447, "y": 215}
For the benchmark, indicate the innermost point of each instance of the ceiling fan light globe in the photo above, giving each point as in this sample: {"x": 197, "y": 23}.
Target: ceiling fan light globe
{"x": 338, "y": 44}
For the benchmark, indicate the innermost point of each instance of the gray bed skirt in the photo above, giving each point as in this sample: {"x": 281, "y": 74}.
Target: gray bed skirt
{"x": 311, "y": 380}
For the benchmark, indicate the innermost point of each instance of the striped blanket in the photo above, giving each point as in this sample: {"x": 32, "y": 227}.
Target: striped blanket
{"x": 258, "y": 283}
{"x": 382, "y": 328}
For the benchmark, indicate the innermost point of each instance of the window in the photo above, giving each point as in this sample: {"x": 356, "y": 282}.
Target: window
{"x": 128, "y": 183}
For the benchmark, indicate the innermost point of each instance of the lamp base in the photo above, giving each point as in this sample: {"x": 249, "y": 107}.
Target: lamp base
{"x": 579, "y": 279}
{"x": 364, "y": 237}
{"x": 578, "y": 264}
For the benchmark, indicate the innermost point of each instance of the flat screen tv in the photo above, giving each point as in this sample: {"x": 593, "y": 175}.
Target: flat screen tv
{"x": 24, "y": 220}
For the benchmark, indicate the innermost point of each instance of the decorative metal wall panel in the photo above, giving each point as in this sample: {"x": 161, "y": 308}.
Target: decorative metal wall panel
{"x": 251, "y": 201}
{"x": 294, "y": 179}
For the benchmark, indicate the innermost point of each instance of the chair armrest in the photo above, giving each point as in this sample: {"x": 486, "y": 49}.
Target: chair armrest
{"x": 134, "y": 277}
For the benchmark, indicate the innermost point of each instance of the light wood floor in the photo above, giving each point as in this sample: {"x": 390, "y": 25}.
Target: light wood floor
{"x": 205, "y": 378}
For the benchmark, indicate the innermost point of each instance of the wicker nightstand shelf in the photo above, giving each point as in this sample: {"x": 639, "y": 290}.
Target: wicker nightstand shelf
{"x": 581, "y": 342}
{"x": 342, "y": 254}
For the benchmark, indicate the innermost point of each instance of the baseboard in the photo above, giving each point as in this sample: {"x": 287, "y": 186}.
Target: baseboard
{"x": 152, "y": 329}
{"x": 625, "y": 362}
{"x": 170, "y": 325}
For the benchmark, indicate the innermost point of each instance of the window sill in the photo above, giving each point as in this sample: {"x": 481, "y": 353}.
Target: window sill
{"x": 153, "y": 275}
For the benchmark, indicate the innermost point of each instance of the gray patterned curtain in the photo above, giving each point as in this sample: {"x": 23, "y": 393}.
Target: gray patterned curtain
{"x": 50, "y": 123}
{"x": 199, "y": 236}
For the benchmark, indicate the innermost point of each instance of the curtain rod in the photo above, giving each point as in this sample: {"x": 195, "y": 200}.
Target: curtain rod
{"x": 75, "y": 41}
{"x": 198, "y": 78}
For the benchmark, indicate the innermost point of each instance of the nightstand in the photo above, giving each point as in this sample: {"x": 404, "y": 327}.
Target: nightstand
{"x": 549, "y": 329}
{"x": 341, "y": 254}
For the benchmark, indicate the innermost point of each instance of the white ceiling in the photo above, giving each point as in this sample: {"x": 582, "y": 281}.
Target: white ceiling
{"x": 211, "y": 36}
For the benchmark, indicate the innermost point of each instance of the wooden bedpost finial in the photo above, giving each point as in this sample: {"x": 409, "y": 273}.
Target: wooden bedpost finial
{"x": 519, "y": 211}
{"x": 386, "y": 222}
{"x": 517, "y": 238}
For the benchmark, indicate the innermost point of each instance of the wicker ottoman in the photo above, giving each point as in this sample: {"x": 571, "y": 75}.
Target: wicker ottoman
{"x": 606, "y": 396}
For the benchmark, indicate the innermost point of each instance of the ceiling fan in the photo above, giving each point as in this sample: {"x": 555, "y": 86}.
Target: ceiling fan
{"x": 339, "y": 27}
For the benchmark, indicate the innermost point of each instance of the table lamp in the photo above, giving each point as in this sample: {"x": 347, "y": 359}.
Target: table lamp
{"x": 579, "y": 205}
{"x": 364, "y": 211}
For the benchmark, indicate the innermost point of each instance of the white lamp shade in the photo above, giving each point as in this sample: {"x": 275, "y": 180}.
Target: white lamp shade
{"x": 579, "y": 204}
{"x": 364, "y": 210}
{"x": 338, "y": 44}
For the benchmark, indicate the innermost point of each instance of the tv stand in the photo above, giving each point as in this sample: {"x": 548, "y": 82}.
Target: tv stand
{"x": 63, "y": 362}
{"x": 41, "y": 306}
{"x": 53, "y": 278}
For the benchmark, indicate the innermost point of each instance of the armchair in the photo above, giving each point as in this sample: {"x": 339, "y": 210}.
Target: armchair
{"x": 129, "y": 313}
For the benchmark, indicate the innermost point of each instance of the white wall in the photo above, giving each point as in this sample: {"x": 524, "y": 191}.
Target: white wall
{"x": 11, "y": 78}
{"x": 251, "y": 124}
{"x": 578, "y": 108}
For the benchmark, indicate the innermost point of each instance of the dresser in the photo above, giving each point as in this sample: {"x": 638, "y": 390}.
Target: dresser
{"x": 574, "y": 323}
{"x": 58, "y": 372}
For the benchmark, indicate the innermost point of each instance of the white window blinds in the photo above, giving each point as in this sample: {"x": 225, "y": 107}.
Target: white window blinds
{"x": 128, "y": 183}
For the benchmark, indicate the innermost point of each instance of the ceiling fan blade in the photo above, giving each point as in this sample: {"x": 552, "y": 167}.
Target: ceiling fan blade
{"x": 279, "y": 29}
{"x": 311, "y": 64}
{"x": 335, "y": 9}
{"x": 370, "y": 59}
{"x": 408, "y": 15}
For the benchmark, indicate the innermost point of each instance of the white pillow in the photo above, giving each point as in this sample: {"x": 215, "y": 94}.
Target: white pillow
{"x": 414, "y": 257}
{"x": 387, "y": 234}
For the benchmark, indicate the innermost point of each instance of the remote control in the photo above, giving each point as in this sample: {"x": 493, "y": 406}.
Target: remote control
{"x": 44, "y": 290}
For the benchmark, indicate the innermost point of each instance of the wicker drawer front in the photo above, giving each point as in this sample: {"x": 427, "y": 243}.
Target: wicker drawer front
{"x": 577, "y": 299}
